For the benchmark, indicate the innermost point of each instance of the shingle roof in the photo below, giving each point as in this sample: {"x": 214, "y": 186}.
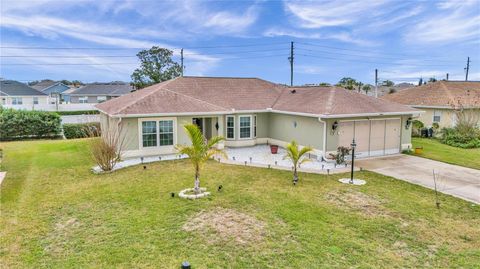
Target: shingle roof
{"x": 44, "y": 84}
{"x": 208, "y": 94}
{"x": 112, "y": 89}
{"x": 440, "y": 93}
{"x": 15, "y": 88}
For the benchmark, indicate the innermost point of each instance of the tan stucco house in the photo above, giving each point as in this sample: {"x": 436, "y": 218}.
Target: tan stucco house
{"x": 19, "y": 95}
{"x": 251, "y": 111}
{"x": 439, "y": 100}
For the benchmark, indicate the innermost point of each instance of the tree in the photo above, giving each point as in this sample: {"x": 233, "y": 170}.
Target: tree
{"x": 388, "y": 83}
{"x": 366, "y": 88}
{"x": 200, "y": 151}
{"x": 420, "y": 82}
{"x": 297, "y": 157}
{"x": 324, "y": 84}
{"x": 156, "y": 66}
{"x": 432, "y": 80}
{"x": 347, "y": 83}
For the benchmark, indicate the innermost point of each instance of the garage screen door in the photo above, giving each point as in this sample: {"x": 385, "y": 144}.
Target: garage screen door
{"x": 373, "y": 137}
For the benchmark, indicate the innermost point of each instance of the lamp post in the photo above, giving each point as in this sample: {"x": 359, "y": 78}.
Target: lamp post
{"x": 353, "y": 159}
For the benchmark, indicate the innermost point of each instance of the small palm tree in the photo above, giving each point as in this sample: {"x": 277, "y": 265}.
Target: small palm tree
{"x": 297, "y": 157}
{"x": 200, "y": 151}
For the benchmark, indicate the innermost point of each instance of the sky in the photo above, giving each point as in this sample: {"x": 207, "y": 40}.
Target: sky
{"x": 97, "y": 40}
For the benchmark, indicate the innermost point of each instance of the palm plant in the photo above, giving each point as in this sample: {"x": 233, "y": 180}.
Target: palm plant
{"x": 296, "y": 156}
{"x": 200, "y": 150}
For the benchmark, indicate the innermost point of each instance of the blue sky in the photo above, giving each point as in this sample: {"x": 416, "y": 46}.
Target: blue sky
{"x": 405, "y": 40}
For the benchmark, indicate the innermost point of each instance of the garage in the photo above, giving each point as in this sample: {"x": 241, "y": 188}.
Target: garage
{"x": 374, "y": 137}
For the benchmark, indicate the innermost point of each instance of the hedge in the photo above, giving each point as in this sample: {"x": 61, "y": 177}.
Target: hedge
{"x": 81, "y": 130}
{"x": 25, "y": 124}
{"x": 84, "y": 112}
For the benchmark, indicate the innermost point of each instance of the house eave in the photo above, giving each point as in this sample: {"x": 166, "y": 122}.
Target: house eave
{"x": 373, "y": 114}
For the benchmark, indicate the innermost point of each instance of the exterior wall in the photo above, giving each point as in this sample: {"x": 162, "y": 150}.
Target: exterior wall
{"x": 307, "y": 131}
{"x": 332, "y": 136}
{"x": 26, "y": 100}
{"x": 447, "y": 118}
{"x": 262, "y": 130}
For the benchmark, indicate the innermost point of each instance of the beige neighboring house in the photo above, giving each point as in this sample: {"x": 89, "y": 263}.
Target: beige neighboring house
{"x": 99, "y": 92}
{"x": 16, "y": 94}
{"x": 439, "y": 100}
{"x": 252, "y": 111}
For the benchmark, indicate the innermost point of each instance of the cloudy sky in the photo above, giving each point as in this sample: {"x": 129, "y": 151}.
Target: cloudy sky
{"x": 97, "y": 40}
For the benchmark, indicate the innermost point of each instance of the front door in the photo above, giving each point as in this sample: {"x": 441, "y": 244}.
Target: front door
{"x": 199, "y": 123}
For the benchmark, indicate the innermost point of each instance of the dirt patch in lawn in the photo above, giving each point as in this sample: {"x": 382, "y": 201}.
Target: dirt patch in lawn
{"x": 221, "y": 224}
{"x": 358, "y": 201}
{"x": 59, "y": 237}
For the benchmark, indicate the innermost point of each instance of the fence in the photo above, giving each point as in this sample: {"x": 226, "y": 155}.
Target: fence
{"x": 54, "y": 107}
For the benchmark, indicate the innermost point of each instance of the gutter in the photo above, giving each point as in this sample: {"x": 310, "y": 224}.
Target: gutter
{"x": 333, "y": 116}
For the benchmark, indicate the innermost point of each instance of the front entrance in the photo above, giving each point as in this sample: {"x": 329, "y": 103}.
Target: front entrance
{"x": 205, "y": 125}
{"x": 373, "y": 137}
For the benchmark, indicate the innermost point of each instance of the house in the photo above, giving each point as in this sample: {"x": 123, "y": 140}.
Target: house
{"x": 55, "y": 89}
{"x": 99, "y": 92}
{"x": 439, "y": 100}
{"x": 251, "y": 111}
{"x": 15, "y": 93}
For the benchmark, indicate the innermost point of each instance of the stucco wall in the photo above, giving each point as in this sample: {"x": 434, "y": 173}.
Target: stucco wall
{"x": 26, "y": 100}
{"x": 307, "y": 131}
{"x": 446, "y": 119}
{"x": 91, "y": 99}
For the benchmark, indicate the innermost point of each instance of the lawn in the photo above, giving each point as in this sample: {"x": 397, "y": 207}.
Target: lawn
{"x": 57, "y": 214}
{"x": 433, "y": 149}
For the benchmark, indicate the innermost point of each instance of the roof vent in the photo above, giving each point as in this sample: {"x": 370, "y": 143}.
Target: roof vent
{"x": 293, "y": 91}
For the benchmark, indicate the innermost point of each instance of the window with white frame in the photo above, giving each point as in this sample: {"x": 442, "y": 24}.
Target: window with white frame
{"x": 437, "y": 115}
{"x": 245, "y": 126}
{"x": 230, "y": 127}
{"x": 255, "y": 126}
{"x": 166, "y": 132}
{"x": 83, "y": 99}
{"x": 17, "y": 101}
{"x": 4, "y": 101}
{"x": 35, "y": 100}
{"x": 101, "y": 99}
{"x": 149, "y": 133}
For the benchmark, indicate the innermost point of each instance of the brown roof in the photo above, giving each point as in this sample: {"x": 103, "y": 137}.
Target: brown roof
{"x": 440, "y": 93}
{"x": 223, "y": 95}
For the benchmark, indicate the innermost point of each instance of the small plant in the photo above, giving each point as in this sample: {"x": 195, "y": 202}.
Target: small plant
{"x": 297, "y": 157}
{"x": 417, "y": 127}
{"x": 107, "y": 149}
{"x": 340, "y": 155}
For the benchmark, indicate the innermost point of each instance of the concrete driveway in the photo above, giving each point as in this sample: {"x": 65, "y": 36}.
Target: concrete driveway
{"x": 453, "y": 179}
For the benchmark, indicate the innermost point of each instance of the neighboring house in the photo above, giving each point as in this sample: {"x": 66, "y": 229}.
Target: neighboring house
{"x": 384, "y": 90}
{"x": 250, "y": 111}
{"x": 15, "y": 93}
{"x": 439, "y": 100}
{"x": 99, "y": 92}
{"x": 54, "y": 89}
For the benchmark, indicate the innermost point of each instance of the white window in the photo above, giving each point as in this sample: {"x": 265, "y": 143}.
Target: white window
{"x": 255, "y": 126}
{"x": 101, "y": 99}
{"x": 149, "y": 133}
{"x": 83, "y": 99}
{"x": 166, "y": 132}
{"x": 245, "y": 127}
{"x": 17, "y": 101}
{"x": 4, "y": 101}
{"x": 35, "y": 100}
{"x": 230, "y": 127}
{"x": 437, "y": 115}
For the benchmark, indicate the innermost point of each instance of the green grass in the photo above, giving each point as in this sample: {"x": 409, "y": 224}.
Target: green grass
{"x": 433, "y": 149}
{"x": 56, "y": 214}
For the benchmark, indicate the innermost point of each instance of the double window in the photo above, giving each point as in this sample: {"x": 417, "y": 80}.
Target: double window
{"x": 245, "y": 127}
{"x": 83, "y": 99}
{"x": 17, "y": 101}
{"x": 230, "y": 127}
{"x": 157, "y": 133}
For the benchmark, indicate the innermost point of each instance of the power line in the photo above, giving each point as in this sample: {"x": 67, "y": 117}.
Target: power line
{"x": 66, "y": 56}
{"x": 362, "y": 61}
{"x": 69, "y": 64}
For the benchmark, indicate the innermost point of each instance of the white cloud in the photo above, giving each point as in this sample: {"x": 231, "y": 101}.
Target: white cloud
{"x": 310, "y": 69}
{"x": 340, "y": 36}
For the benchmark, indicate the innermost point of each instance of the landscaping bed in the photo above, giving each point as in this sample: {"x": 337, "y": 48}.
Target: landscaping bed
{"x": 56, "y": 213}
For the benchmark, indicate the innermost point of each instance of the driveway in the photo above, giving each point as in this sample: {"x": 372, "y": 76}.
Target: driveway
{"x": 455, "y": 180}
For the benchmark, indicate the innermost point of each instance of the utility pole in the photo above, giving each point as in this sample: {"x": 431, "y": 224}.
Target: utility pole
{"x": 376, "y": 83}
{"x": 181, "y": 59}
{"x": 447, "y": 76}
{"x": 467, "y": 68}
{"x": 291, "y": 63}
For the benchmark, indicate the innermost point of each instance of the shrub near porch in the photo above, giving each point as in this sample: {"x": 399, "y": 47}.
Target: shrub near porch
{"x": 57, "y": 214}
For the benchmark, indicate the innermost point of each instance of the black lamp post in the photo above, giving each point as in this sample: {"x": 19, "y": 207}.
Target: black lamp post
{"x": 353, "y": 159}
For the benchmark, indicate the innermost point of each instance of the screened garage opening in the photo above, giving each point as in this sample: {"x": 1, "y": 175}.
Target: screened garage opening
{"x": 374, "y": 137}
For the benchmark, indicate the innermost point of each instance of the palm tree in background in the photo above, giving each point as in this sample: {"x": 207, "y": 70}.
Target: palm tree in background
{"x": 200, "y": 150}
{"x": 297, "y": 157}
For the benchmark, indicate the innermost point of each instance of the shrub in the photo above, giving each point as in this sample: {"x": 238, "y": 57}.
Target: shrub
{"x": 24, "y": 124}
{"x": 417, "y": 128}
{"x": 84, "y": 112}
{"x": 107, "y": 150}
{"x": 454, "y": 137}
{"x": 81, "y": 130}
{"x": 340, "y": 155}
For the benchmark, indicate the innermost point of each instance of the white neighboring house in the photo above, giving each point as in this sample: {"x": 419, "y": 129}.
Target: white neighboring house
{"x": 17, "y": 94}
{"x": 95, "y": 93}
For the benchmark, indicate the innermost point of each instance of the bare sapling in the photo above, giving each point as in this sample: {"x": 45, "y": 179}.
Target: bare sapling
{"x": 107, "y": 149}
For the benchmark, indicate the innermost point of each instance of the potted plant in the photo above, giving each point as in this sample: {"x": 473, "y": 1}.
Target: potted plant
{"x": 274, "y": 149}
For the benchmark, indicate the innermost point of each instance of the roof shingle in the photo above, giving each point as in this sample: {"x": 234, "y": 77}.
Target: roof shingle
{"x": 15, "y": 88}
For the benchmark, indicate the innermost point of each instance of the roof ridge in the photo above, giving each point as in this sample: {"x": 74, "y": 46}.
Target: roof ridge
{"x": 153, "y": 91}
{"x": 196, "y": 99}
{"x": 280, "y": 95}
{"x": 331, "y": 96}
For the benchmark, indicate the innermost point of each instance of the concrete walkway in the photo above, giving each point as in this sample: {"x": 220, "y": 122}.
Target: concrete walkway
{"x": 2, "y": 176}
{"x": 455, "y": 180}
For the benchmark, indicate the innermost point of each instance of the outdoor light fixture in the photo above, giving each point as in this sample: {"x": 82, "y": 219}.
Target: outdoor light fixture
{"x": 294, "y": 124}
{"x": 408, "y": 123}
{"x": 172, "y": 194}
{"x": 353, "y": 159}
{"x": 334, "y": 125}
{"x": 186, "y": 265}
{"x": 141, "y": 159}
{"x": 217, "y": 126}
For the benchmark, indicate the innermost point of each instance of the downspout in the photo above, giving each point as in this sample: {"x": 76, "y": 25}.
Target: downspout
{"x": 324, "y": 151}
